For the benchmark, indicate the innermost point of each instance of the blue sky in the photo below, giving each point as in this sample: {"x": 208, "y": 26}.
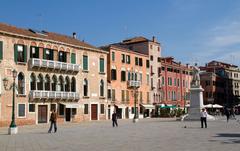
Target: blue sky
{"x": 190, "y": 30}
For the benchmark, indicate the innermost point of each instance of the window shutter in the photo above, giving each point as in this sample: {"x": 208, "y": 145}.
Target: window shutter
{"x": 15, "y": 52}
{"x": 25, "y": 53}
{"x": 1, "y": 50}
{"x": 85, "y": 63}
{"x": 37, "y": 51}
{"x": 73, "y": 58}
{"x": 31, "y": 55}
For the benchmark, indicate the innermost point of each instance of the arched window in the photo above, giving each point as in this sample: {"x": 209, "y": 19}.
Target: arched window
{"x": 67, "y": 84}
{"x": 132, "y": 78}
{"x": 136, "y": 77}
{"x": 21, "y": 83}
{"x": 73, "y": 85}
{"x": 40, "y": 82}
{"x": 129, "y": 76}
{"x": 47, "y": 83}
{"x": 101, "y": 88}
{"x": 54, "y": 83}
{"x": 33, "y": 82}
{"x": 85, "y": 87}
{"x": 61, "y": 83}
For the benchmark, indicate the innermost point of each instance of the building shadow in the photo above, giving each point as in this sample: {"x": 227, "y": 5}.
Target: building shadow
{"x": 228, "y": 138}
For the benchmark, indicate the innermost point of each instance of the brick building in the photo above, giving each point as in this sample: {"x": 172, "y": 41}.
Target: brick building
{"x": 54, "y": 72}
{"x": 221, "y": 81}
{"x": 175, "y": 83}
{"x": 126, "y": 68}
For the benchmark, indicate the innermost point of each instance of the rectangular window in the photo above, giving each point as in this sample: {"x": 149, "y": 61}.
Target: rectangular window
{"x": 147, "y": 79}
{"x": 34, "y": 52}
{"x": 85, "y": 108}
{"x": 101, "y": 65}
{"x": 148, "y": 100}
{"x": 113, "y": 74}
{"x": 85, "y": 63}
{"x": 159, "y": 59}
{"x": 21, "y": 110}
{"x": 48, "y": 54}
{"x": 53, "y": 107}
{"x": 127, "y": 95}
{"x": 183, "y": 83}
{"x": 128, "y": 59}
{"x": 113, "y": 95}
{"x": 62, "y": 56}
{"x": 113, "y": 56}
{"x": 163, "y": 81}
{"x": 178, "y": 82}
{"x": 175, "y": 82}
{"x": 140, "y": 62}
{"x": 140, "y": 77}
{"x": 123, "y": 75}
{"x": 136, "y": 61}
{"x": 147, "y": 63}
{"x": 159, "y": 72}
{"x": 102, "y": 109}
{"x": 61, "y": 109}
{"x": 123, "y": 96}
{"x": 20, "y": 53}
{"x": 74, "y": 111}
{"x": 123, "y": 58}
{"x": 31, "y": 108}
{"x": 151, "y": 58}
{"x": 109, "y": 94}
{"x": 1, "y": 50}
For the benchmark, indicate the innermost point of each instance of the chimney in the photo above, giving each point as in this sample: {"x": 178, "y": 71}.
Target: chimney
{"x": 74, "y": 35}
{"x": 154, "y": 39}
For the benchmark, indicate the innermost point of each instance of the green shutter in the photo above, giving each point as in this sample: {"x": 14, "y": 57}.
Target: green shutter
{"x": 101, "y": 65}
{"x": 73, "y": 58}
{"x": 25, "y": 53}
{"x": 31, "y": 54}
{"x": 44, "y": 53}
{"x": 85, "y": 62}
{"x": 15, "y": 52}
{"x": 1, "y": 50}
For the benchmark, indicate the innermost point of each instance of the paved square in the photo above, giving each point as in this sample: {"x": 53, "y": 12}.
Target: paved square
{"x": 146, "y": 135}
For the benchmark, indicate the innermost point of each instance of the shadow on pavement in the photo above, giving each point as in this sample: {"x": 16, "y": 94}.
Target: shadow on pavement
{"x": 228, "y": 138}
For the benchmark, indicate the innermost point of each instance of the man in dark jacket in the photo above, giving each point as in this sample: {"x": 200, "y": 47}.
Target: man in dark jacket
{"x": 114, "y": 119}
{"x": 53, "y": 120}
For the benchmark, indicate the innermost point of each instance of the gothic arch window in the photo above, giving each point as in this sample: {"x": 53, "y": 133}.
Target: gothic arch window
{"x": 33, "y": 82}
{"x": 61, "y": 83}
{"x": 21, "y": 83}
{"x": 40, "y": 82}
{"x": 54, "y": 83}
{"x": 67, "y": 84}
{"x": 85, "y": 87}
{"x": 102, "y": 88}
{"x": 73, "y": 85}
{"x": 47, "y": 82}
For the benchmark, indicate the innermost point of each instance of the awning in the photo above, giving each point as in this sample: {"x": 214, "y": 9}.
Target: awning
{"x": 168, "y": 106}
{"x": 148, "y": 106}
{"x": 71, "y": 105}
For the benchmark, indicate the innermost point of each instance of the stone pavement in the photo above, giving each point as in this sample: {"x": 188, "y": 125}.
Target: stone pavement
{"x": 146, "y": 135}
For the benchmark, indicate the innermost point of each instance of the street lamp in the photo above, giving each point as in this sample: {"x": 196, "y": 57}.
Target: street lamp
{"x": 13, "y": 127}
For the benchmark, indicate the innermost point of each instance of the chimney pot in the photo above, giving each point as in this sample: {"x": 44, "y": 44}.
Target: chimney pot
{"x": 154, "y": 39}
{"x": 74, "y": 35}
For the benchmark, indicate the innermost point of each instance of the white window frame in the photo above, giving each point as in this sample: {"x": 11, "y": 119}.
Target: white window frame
{"x": 18, "y": 110}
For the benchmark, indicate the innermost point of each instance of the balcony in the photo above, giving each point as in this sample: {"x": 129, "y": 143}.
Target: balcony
{"x": 42, "y": 63}
{"x": 133, "y": 84}
{"x": 38, "y": 94}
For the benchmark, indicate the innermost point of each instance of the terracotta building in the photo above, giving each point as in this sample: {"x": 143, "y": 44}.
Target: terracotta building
{"x": 127, "y": 68}
{"x": 221, "y": 81}
{"x": 54, "y": 72}
{"x": 175, "y": 83}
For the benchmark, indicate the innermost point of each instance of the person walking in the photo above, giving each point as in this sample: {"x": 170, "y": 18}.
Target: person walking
{"x": 114, "y": 119}
{"x": 53, "y": 120}
{"x": 227, "y": 113}
{"x": 204, "y": 118}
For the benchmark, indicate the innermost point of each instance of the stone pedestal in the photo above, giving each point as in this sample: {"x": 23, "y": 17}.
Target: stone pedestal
{"x": 12, "y": 130}
{"x": 196, "y": 104}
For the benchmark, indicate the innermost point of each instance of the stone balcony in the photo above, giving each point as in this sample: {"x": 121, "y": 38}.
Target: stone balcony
{"x": 41, "y": 94}
{"x": 133, "y": 84}
{"x": 42, "y": 63}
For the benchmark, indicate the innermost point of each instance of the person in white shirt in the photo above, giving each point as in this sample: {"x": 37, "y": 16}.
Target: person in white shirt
{"x": 204, "y": 117}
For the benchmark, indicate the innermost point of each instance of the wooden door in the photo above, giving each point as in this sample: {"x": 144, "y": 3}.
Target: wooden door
{"x": 68, "y": 115}
{"x": 94, "y": 113}
{"x": 42, "y": 113}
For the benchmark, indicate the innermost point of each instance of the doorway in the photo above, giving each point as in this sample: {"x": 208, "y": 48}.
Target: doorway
{"x": 94, "y": 112}
{"x": 68, "y": 115}
{"x": 42, "y": 113}
{"x": 126, "y": 113}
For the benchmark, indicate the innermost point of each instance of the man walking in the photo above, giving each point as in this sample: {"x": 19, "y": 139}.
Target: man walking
{"x": 114, "y": 119}
{"x": 53, "y": 120}
{"x": 204, "y": 118}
